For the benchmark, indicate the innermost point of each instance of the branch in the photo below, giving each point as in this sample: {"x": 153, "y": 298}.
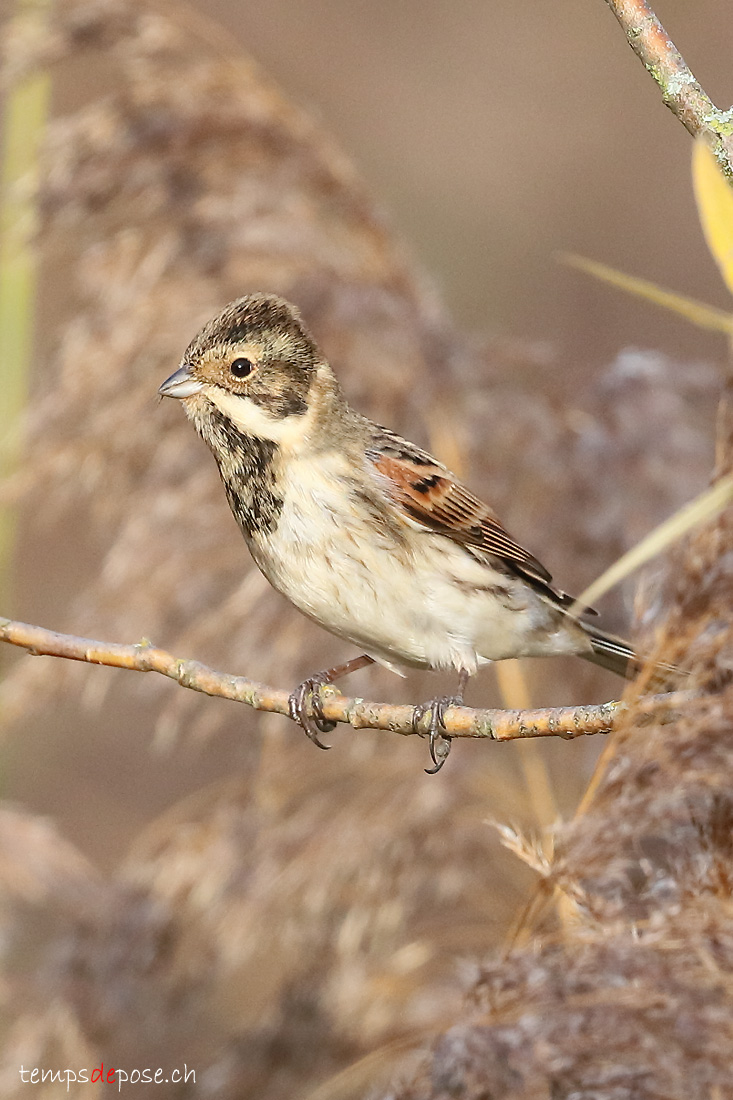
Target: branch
{"x": 497, "y": 725}
{"x": 680, "y": 90}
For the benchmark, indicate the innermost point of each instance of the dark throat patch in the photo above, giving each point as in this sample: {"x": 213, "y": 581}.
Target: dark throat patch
{"x": 246, "y": 466}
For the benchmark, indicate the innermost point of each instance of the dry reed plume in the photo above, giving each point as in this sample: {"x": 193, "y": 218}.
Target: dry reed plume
{"x": 632, "y": 996}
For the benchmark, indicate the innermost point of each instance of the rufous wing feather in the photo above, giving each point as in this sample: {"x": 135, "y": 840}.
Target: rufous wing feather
{"x": 432, "y": 496}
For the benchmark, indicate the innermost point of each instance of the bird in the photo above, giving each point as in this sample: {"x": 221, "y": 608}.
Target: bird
{"x": 364, "y": 532}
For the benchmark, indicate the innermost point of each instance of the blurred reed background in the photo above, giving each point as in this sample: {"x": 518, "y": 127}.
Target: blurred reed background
{"x": 184, "y": 880}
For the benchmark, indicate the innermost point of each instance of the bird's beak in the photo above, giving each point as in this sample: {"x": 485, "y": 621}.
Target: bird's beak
{"x": 181, "y": 384}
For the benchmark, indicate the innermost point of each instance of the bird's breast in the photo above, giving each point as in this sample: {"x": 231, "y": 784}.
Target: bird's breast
{"x": 341, "y": 553}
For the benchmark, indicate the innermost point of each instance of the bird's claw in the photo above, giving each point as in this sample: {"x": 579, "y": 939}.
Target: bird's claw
{"x": 440, "y": 743}
{"x": 305, "y": 706}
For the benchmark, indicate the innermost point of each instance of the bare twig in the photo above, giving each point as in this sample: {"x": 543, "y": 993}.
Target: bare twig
{"x": 497, "y": 725}
{"x": 680, "y": 90}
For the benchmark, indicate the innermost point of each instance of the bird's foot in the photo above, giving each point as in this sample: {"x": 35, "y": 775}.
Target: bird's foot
{"x": 306, "y": 707}
{"x": 440, "y": 743}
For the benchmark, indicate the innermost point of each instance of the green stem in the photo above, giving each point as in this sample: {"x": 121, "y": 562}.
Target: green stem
{"x": 23, "y": 123}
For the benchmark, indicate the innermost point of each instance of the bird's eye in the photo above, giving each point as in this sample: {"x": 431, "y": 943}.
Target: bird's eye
{"x": 240, "y": 368}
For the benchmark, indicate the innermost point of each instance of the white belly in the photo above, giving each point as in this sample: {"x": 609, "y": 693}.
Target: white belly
{"x": 411, "y": 598}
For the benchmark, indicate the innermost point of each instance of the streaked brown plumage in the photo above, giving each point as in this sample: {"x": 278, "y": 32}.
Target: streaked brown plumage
{"x": 367, "y": 534}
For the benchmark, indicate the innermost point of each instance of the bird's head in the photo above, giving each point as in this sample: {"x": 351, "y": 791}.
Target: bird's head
{"x": 257, "y": 365}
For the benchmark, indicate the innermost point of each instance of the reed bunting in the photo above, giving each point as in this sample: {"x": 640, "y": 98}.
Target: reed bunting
{"x": 367, "y": 534}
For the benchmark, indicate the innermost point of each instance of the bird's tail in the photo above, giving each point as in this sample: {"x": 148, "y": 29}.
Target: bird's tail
{"x": 617, "y": 655}
{"x": 611, "y": 652}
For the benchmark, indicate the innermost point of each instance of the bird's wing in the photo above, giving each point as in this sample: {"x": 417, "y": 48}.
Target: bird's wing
{"x": 430, "y": 495}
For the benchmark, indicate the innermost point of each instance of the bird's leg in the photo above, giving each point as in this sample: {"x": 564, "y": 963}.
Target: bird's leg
{"x": 305, "y": 703}
{"x": 440, "y": 743}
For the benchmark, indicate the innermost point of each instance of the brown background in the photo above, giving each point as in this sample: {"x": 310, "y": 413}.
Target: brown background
{"x": 498, "y": 133}
{"x": 493, "y": 134}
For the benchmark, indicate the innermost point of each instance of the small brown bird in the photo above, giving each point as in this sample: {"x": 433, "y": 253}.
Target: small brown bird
{"x": 365, "y": 533}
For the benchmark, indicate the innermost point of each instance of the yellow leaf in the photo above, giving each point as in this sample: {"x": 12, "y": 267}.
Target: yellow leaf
{"x": 698, "y": 313}
{"x": 714, "y": 197}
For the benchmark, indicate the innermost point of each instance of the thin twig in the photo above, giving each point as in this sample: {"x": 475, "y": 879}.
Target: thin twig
{"x": 498, "y": 725}
{"x": 680, "y": 90}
